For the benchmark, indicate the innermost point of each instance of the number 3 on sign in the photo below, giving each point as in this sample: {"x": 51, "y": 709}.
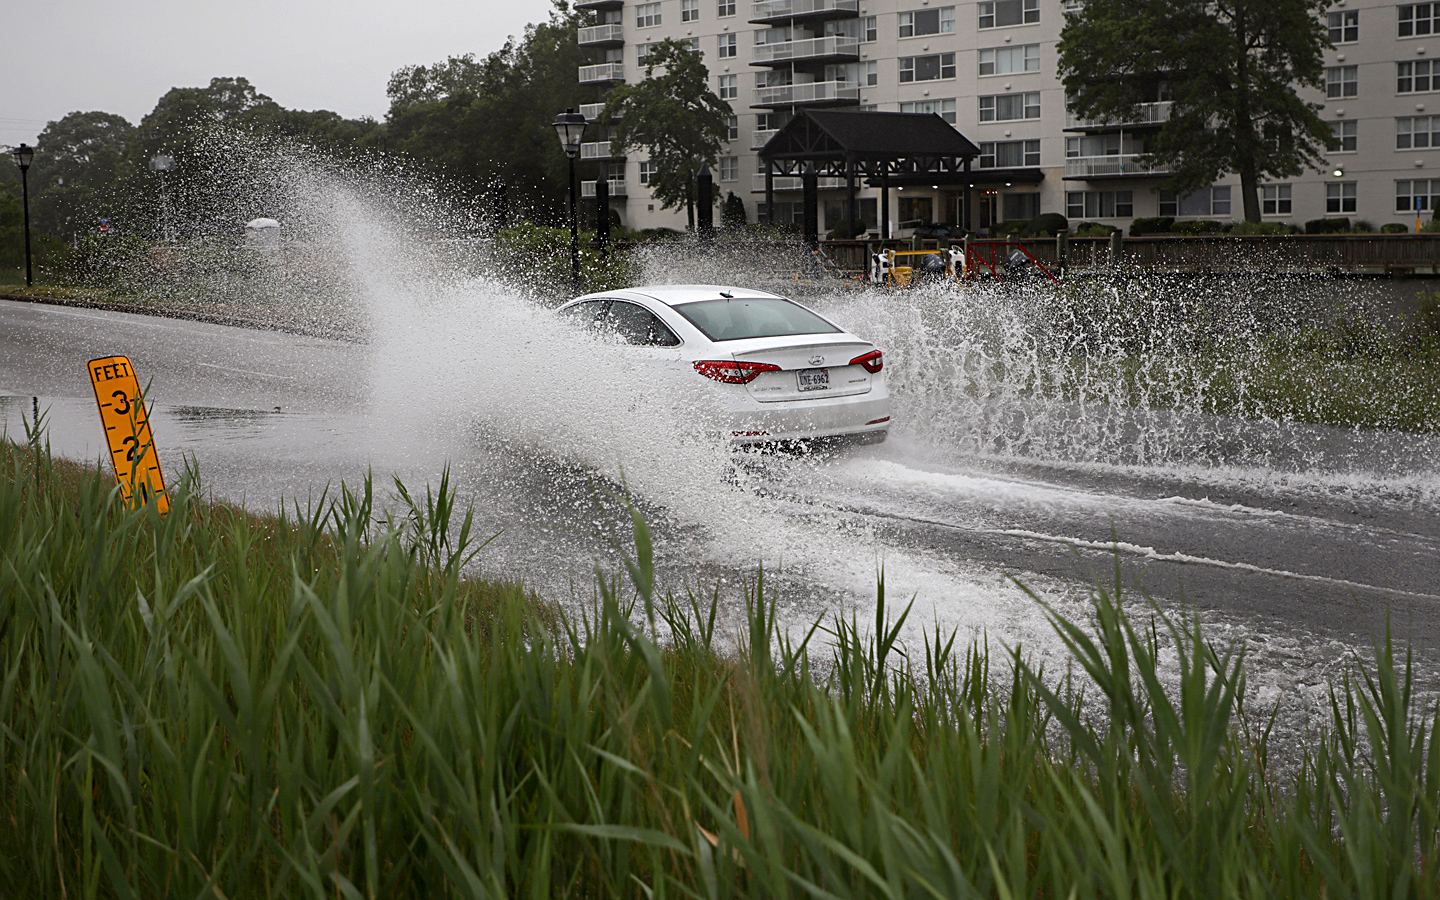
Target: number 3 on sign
{"x": 127, "y": 431}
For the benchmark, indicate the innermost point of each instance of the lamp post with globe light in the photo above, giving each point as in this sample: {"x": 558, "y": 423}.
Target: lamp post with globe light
{"x": 570, "y": 127}
{"x": 160, "y": 164}
{"x": 23, "y": 155}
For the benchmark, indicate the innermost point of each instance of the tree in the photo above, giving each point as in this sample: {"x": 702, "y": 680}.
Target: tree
{"x": 77, "y": 162}
{"x": 1232, "y": 68}
{"x": 479, "y": 122}
{"x": 674, "y": 117}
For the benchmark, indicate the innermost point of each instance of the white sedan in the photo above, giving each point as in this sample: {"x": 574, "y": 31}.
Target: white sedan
{"x": 780, "y": 371}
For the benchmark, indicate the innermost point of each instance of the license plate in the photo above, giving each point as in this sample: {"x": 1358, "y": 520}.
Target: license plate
{"x": 814, "y": 379}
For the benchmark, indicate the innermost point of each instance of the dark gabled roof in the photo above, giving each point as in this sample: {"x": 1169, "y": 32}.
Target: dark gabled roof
{"x": 867, "y": 136}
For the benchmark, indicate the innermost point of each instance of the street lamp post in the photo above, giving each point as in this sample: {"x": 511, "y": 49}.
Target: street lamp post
{"x": 570, "y": 127}
{"x": 23, "y": 155}
{"x": 160, "y": 164}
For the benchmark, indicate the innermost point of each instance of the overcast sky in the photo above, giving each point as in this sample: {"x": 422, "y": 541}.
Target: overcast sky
{"x": 120, "y": 56}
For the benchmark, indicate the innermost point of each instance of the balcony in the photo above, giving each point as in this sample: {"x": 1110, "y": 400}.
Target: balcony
{"x": 599, "y": 4}
{"x": 1085, "y": 167}
{"x": 592, "y": 111}
{"x": 603, "y": 73}
{"x": 617, "y": 188}
{"x": 598, "y": 150}
{"x": 795, "y": 183}
{"x": 836, "y": 48}
{"x": 768, "y": 11}
{"x": 760, "y": 138}
{"x": 814, "y": 93}
{"x": 1149, "y": 114}
{"x": 602, "y": 36}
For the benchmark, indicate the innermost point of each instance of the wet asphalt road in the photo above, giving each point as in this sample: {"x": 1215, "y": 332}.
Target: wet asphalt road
{"x": 1295, "y": 563}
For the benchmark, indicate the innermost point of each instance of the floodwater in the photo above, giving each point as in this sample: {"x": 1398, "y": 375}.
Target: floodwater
{"x": 1007, "y": 465}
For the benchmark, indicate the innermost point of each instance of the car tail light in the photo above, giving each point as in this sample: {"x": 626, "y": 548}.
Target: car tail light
{"x": 873, "y": 361}
{"x": 732, "y": 372}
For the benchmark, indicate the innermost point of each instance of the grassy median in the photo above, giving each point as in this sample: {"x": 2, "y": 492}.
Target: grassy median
{"x": 322, "y": 704}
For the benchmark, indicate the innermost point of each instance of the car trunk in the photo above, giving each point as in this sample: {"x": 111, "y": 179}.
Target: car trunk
{"x": 812, "y": 366}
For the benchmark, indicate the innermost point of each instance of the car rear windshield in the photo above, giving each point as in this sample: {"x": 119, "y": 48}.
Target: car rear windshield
{"x": 734, "y": 320}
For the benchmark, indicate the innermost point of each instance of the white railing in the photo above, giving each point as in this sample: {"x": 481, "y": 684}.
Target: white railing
{"x": 775, "y": 9}
{"x": 602, "y": 72}
{"x": 591, "y": 111}
{"x": 598, "y": 150}
{"x": 617, "y": 188}
{"x": 761, "y": 138}
{"x": 811, "y": 92}
{"x": 1101, "y": 166}
{"x": 809, "y": 48}
{"x": 795, "y": 183}
{"x": 602, "y": 34}
{"x": 1149, "y": 114}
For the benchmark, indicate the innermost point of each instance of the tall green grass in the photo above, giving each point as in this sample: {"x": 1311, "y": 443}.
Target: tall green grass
{"x": 319, "y": 704}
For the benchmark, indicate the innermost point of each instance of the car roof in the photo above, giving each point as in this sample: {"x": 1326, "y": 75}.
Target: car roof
{"x": 676, "y": 294}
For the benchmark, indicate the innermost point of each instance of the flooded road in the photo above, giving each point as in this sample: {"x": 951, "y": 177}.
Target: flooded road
{"x": 1303, "y": 553}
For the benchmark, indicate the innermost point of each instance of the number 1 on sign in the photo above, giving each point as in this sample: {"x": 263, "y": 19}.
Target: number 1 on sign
{"x": 127, "y": 431}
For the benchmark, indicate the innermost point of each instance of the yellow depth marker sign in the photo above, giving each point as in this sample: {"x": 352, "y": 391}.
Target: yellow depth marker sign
{"x": 127, "y": 431}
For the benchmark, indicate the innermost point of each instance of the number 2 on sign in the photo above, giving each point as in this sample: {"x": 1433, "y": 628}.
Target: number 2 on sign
{"x": 127, "y": 432}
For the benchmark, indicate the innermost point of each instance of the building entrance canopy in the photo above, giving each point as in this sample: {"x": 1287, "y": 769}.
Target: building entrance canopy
{"x": 875, "y": 146}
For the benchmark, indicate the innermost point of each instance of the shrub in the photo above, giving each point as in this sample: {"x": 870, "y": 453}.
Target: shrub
{"x": 732, "y": 214}
{"x": 1197, "y": 227}
{"x": 1094, "y": 230}
{"x": 1394, "y": 228}
{"x": 1430, "y": 227}
{"x": 1008, "y": 229}
{"x": 1363, "y": 227}
{"x": 1047, "y": 224}
{"x": 1156, "y": 225}
{"x": 1328, "y": 226}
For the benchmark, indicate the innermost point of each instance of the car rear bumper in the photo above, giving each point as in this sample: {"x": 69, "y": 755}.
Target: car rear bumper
{"x": 868, "y": 414}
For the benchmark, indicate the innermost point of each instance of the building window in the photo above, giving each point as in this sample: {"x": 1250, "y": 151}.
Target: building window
{"x": 647, "y": 14}
{"x": 869, "y": 32}
{"x": 945, "y": 109}
{"x": 1009, "y": 154}
{"x": 1275, "y": 200}
{"x": 726, "y": 46}
{"x": 1212, "y": 202}
{"x": 1010, "y": 60}
{"x": 1344, "y": 26}
{"x": 692, "y": 43}
{"x": 689, "y": 10}
{"x": 920, "y": 22}
{"x": 1008, "y": 107}
{"x": 1417, "y": 132}
{"x": 729, "y": 168}
{"x": 1020, "y": 207}
{"x": 1416, "y": 77}
{"x": 1342, "y": 81}
{"x": 1419, "y": 19}
{"x": 1410, "y": 196}
{"x": 732, "y": 128}
{"x": 1099, "y": 204}
{"x": 729, "y": 87}
{"x": 725, "y": 8}
{"x": 1340, "y": 197}
{"x": 642, "y": 51}
{"x": 1347, "y": 134}
{"x": 999, "y": 13}
{"x": 1092, "y": 145}
{"x": 927, "y": 68}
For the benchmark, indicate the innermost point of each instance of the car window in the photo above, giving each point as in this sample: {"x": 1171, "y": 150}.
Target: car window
{"x": 587, "y": 314}
{"x": 733, "y": 320}
{"x": 638, "y": 325}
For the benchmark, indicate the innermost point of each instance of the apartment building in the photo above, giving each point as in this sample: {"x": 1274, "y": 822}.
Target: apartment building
{"x": 989, "y": 68}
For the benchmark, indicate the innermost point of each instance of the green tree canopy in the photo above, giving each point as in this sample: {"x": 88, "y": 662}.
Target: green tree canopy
{"x": 476, "y": 121}
{"x": 673, "y": 116}
{"x": 77, "y": 161}
{"x": 1232, "y": 69}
